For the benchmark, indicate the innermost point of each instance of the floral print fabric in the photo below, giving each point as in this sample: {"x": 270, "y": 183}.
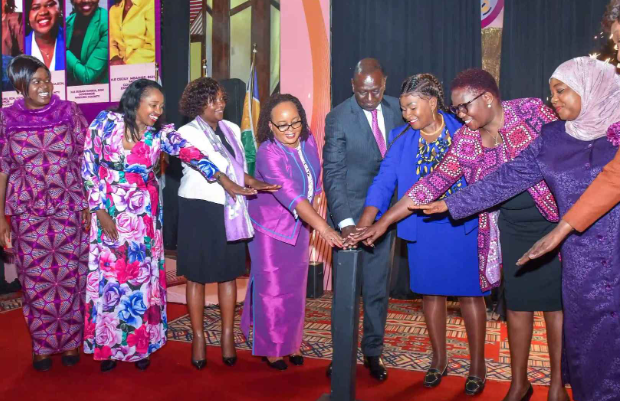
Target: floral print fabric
{"x": 126, "y": 283}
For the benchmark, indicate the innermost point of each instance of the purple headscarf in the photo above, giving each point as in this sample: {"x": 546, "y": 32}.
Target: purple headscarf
{"x": 598, "y": 86}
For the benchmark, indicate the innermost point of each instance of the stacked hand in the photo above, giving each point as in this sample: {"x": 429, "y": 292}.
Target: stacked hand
{"x": 331, "y": 237}
{"x": 233, "y": 189}
{"x": 368, "y": 235}
{"x": 431, "y": 208}
{"x": 264, "y": 186}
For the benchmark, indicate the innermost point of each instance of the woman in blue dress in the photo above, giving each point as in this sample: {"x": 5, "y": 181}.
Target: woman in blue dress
{"x": 443, "y": 253}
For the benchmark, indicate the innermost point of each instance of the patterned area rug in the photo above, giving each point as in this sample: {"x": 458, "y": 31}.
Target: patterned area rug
{"x": 407, "y": 345}
{"x": 10, "y": 302}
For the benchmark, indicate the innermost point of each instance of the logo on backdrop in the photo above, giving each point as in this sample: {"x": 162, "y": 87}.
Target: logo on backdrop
{"x": 489, "y": 10}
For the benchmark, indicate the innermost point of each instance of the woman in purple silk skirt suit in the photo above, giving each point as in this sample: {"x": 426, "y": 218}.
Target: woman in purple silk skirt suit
{"x": 276, "y": 298}
{"x": 568, "y": 156}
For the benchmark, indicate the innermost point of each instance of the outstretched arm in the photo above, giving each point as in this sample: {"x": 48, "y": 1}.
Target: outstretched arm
{"x": 510, "y": 179}
{"x": 174, "y": 144}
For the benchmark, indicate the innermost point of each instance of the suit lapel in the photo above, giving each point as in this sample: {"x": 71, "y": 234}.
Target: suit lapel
{"x": 388, "y": 117}
{"x": 365, "y": 132}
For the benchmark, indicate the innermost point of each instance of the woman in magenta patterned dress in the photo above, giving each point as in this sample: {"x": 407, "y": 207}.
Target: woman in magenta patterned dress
{"x": 126, "y": 284}
{"x": 42, "y": 138}
{"x": 496, "y": 132}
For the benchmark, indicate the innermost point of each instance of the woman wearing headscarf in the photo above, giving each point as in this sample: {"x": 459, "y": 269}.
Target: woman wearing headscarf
{"x": 604, "y": 193}
{"x": 568, "y": 156}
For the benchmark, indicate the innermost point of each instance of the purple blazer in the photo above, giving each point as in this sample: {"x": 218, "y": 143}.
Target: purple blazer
{"x": 272, "y": 213}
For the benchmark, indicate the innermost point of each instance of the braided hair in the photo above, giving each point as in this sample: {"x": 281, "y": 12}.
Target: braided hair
{"x": 425, "y": 86}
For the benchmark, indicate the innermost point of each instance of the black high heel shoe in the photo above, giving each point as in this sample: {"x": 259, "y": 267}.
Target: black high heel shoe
{"x": 528, "y": 394}
{"x": 42, "y": 365}
{"x": 475, "y": 385}
{"x": 143, "y": 364}
{"x": 296, "y": 360}
{"x": 107, "y": 365}
{"x": 199, "y": 364}
{"x": 433, "y": 377}
{"x": 278, "y": 365}
{"x": 229, "y": 361}
{"x": 70, "y": 360}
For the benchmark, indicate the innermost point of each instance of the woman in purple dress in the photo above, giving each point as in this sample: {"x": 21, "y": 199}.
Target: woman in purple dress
{"x": 568, "y": 156}
{"x": 41, "y": 140}
{"x": 276, "y": 297}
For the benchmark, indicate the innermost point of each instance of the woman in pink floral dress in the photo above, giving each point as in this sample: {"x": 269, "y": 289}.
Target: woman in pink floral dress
{"x": 126, "y": 284}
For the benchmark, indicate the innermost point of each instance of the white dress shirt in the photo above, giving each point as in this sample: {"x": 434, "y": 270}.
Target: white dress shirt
{"x": 36, "y": 53}
{"x": 193, "y": 184}
{"x": 349, "y": 221}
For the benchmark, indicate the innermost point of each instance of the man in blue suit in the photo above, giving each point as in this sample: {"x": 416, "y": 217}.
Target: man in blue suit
{"x": 355, "y": 143}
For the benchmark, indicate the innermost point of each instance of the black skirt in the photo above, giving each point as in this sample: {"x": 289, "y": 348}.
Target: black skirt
{"x": 203, "y": 254}
{"x": 537, "y": 286}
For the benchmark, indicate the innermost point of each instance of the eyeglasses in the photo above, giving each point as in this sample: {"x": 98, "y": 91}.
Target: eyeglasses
{"x": 286, "y": 127}
{"x": 462, "y": 108}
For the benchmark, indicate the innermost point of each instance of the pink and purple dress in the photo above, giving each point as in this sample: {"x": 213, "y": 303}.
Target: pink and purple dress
{"x": 126, "y": 284}
{"x": 276, "y": 297}
{"x": 523, "y": 119}
{"x": 41, "y": 152}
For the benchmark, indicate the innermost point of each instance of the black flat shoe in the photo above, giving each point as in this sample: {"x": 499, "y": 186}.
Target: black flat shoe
{"x": 199, "y": 364}
{"x": 376, "y": 366}
{"x": 279, "y": 364}
{"x": 474, "y": 385}
{"x": 296, "y": 360}
{"x": 328, "y": 372}
{"x": 229, "y": 361}
{"x": 528, "y": 394}
{"x": 70, "y": 360}
{"x": 107, "y": 365}
{"x": 433, "y": 377}
{"x": 42, "y": 365}
{"x": 143, "y": 364}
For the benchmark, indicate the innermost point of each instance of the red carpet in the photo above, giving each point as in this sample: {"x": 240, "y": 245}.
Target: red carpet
{"x": 171, "y": 377}
{"x": 407, "y": 344}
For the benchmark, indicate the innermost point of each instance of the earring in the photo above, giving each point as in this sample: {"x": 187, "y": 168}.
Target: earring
{"x": 489, "y": 105}
{"x": 433, "y": 113}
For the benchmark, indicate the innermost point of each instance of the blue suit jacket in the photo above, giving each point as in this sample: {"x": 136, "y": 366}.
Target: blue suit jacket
{"x": 398, "y": 170}
{"x": 60, "y": 48}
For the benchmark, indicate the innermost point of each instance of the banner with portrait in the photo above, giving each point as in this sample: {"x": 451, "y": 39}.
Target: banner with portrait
{"x": 93, "y": 48}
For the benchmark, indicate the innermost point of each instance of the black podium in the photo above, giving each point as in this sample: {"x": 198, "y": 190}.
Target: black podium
{"x": 346, "y": 318}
